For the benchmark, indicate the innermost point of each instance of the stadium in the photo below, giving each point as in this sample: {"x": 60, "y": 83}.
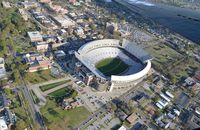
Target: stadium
{"x": 119, "y": 63}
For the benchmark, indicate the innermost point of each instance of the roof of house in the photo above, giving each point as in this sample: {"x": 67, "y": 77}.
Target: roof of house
{"x": 132, "y": 118}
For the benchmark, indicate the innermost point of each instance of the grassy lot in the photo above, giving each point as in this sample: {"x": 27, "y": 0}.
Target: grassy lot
{"x": 39, "y": 77}
{"x": 165, "y": 59}
{"x": 53, "y": 85}
{"x": 186, "y": 69}
{"x": 58, "y": 119}
{"x": 163, "y": 55}
{"x": 67, "y": 92}
{"x": 111, "y": 66}
{"x": 35, "y": 98}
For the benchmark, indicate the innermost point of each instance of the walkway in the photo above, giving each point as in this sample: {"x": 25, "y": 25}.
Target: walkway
{"x": 45, "y": 93}
{"x": 41, "y": 95}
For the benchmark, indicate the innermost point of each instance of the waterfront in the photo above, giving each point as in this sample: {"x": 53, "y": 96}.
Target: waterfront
{"x": 186, "y": 22}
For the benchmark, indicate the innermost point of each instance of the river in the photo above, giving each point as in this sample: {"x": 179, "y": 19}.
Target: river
{"x": 184, "y": 21}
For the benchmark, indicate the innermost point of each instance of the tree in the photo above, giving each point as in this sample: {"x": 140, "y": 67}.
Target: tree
{"x": 93, "y": 26}
{"x": 172, "y": 78}
{"x": 16, "y": 76}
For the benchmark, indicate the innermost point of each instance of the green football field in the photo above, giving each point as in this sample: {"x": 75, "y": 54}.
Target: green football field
{"x": 111, "y": 66}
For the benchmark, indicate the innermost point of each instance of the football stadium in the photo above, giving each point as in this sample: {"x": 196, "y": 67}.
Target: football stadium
{"x": 114, "y": 63}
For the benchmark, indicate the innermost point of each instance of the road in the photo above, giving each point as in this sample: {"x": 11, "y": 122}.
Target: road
{"x": 35, "y": 113}
{"x": 103, "y": 109}
{"x": 41, "y": 94}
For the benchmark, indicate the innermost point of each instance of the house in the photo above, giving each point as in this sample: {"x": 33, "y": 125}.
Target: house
{"x": 9, "y": 116}
{"x": 120, "y": 114}
{"x": 35, "y": 36}
{"x": 36, "y": 62}
{"x": 196, "y": 78}
{"x": 23, "y": 14}
{"x": 28, "y": 4}
{"x": 79, "y": 32}
{"x": 124, "y": 33}
{"x": 196, "y": 86}
{"x": 41, "y": 46}
{"x": 189, "y": 81}
{"x": 2, "y": 69}
{"x": 197, "y": 110}
{"x": 70, "y": 104}
{"x": 4, "y": 102}
{"x": 62, "y": 32}
{"x": 163, "y": 122}
{"x": 132, "y": 118}
{"x": 6, "y": 4}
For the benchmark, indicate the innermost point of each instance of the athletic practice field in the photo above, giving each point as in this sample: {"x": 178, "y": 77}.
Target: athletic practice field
{"x": 111, "y": 66}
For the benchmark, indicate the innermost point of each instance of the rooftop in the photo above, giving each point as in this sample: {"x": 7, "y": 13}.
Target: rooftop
{"x": 132, "y": 118}
{"x": 35, "y": 36}
{"x": 3, "y": 125}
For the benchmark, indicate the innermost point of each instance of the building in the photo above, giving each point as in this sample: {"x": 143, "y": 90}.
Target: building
{"x": 70, "y": 104}
{"x": 3, "y": 125}
{"x": 132, "y": 118}
{"x": 87, "y": 1}
{"x": 189, "y": 81}
{"x": 79, "y": 32}
{"x": 36, "y": 62}
{"x": 23, "y": 14}
{"x": 35, "y": 36}
{"x": 41, "y": 46}
{"x": 6, "y": 4}
{"x": 183, "y": 100}
{"x": 60, "y": 54}
{"x": 138, "y": 61}
{"x": 58, "y": 9}
{"x": 28, "y": 4}
{"x": 45, "y": 1}
{"x": 193, "y": 122}
{"x": 122, "y": 128}
{"x": 111, "y": 27}
{"x": 2, "y": 68}
{"x": 72, "y": 1}
{"x": 63, "y": 21}
{"x": 139, "y": 126}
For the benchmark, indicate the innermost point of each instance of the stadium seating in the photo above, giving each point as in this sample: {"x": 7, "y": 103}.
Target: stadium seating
{"x": 137, "y": 59}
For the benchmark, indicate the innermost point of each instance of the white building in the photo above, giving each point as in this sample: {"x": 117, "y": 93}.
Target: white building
{"x": 138, "y": 60}
{"x": 63, "y": 21}
{"x": 2, "y": 69}
{"x": 28, "y": 4}
{"x": 35, "y": 36}
{"x": 6, "y": 4}
{"x": 41, "y": 46}
{"x": 23, "y": 14}
{"x": 3, "y": 125}
{"x": 122, "y": 128}
{"x": 79, "y": 31}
